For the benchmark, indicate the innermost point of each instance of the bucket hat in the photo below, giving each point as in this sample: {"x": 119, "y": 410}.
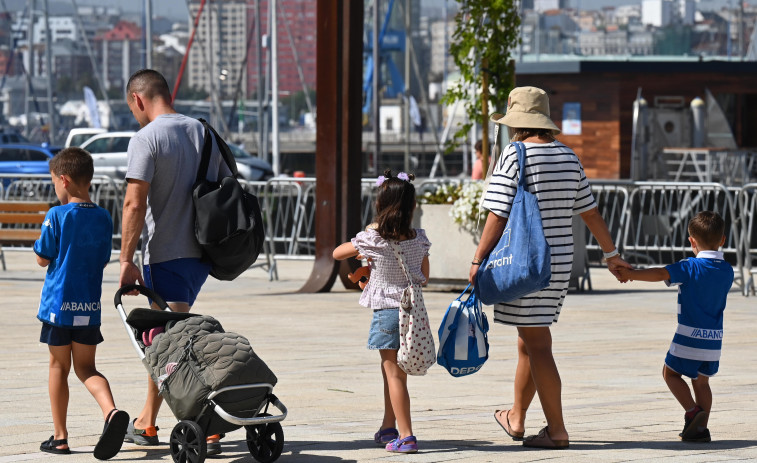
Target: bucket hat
{"x": 527, "y": 108}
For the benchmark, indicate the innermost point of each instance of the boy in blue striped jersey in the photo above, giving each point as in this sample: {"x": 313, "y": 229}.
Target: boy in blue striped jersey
{"x": 703, "y": 285}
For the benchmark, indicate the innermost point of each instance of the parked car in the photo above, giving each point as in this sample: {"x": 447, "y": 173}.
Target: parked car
{"x": 250, "y": 167}
{"x": 9, "y": 135}
{"x": 108, "y": 152}
{"x": 79, "y": 135}
{"x": 23, "y": 158}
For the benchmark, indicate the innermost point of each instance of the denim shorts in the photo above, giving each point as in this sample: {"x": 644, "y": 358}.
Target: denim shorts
{"x": 178, "y": 280}
{"x": 691, "y": 368}
{"x": 385, "y": 330}
{"x": 61, "y": 336}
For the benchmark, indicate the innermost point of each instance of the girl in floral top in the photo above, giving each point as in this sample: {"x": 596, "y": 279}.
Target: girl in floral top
{"x": 395, "y": 204}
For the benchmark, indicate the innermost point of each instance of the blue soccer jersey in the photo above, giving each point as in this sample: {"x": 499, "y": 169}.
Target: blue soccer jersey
{"x": 76, "y": 238}
{"x": 704, "y": 282}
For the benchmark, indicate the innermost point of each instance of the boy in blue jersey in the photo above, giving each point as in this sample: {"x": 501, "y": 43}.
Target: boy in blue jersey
{"x": 703, "y": 285}
{"x": 74, "y": 245}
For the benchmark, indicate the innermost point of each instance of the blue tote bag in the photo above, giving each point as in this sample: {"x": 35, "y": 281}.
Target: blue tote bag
{"x": 463, "y": 342}
{"x": 520, "y": 263}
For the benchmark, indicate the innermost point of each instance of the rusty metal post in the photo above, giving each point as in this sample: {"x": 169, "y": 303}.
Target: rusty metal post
{"x": 338, "y": 157}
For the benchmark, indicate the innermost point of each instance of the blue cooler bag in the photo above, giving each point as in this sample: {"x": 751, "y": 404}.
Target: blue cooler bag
{"x": 520, "y": 263}
{"x": 463, "y": 343}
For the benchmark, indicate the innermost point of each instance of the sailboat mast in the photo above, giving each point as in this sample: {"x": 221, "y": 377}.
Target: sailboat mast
{"x": 49, "y": 65}
{"x": 148, "y": 34}
{"x": 276, "y": 164}
{"x": 259, "y": 59}
{"x": 376, "y": 103}
{"x": 30, "y": 65}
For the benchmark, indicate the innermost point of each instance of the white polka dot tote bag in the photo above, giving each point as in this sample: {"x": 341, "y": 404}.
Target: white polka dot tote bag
{"x": 417, "y": 352}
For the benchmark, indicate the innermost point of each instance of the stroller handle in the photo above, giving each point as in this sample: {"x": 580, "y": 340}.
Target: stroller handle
{"x": 142, "y": 290}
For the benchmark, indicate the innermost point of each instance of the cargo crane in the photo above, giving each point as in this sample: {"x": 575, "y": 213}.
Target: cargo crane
{"x": 390, "y": 41}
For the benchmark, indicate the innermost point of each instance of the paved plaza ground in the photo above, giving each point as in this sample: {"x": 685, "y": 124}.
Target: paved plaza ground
{"x": 609, "y": 345}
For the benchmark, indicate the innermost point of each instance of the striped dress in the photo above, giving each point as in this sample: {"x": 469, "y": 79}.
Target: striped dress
{"x": 555, "y": 175}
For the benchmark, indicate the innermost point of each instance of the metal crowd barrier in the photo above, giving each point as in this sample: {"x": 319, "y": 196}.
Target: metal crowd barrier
{"x": 612, "y": 202}
{"x": 649, "y": 220}
{"x": 256, "y": 188}
{"x": 367, "y": 201}
{"x": 105, "y": 191}
{"x": 288, "y": 212}
{"x": 747, "y": 201}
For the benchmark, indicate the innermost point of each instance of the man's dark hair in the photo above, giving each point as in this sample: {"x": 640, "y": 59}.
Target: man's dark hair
{"x": 708, "y": 229}
{"x": 149, "y": 83}
{"x": 74, "y": 162}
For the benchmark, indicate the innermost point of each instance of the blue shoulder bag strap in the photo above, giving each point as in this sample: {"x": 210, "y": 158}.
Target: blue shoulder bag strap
{"x": 520, "y": 148}
{"x": 456, "y": 320}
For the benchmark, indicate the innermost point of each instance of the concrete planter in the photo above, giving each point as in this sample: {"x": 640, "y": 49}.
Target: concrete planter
{"x": 452, "y": 247}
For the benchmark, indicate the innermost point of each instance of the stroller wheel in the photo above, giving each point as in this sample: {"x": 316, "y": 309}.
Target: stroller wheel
{"x": 265, "y": 441}
{"x": 188, "y": 443}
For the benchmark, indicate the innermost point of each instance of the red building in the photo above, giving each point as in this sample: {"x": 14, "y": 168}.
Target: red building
{"x": 119, "y": 53}
{"x": 296, "y": 19}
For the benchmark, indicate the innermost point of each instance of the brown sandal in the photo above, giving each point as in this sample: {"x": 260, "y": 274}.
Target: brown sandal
{"x": 518, "y": 436}
{"x": 543, "y": 441}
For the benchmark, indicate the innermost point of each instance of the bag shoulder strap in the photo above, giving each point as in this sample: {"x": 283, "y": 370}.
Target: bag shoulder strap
{"x": 520, "y": 149}
{"x": 207, "y": 150}
{"x": 398, "y": 254}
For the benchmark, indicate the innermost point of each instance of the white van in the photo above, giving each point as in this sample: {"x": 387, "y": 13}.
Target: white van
{"x": 78, "y": 136}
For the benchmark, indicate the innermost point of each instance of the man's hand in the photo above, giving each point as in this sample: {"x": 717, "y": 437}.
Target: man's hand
{"x": 614, "y": 264}
{"x": 129, "y": 275}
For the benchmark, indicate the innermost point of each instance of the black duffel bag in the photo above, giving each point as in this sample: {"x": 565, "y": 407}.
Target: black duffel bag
{"x": 228, "y": 222}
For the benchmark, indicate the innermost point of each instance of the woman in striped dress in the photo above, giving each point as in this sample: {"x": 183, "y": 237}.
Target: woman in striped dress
{"x": 555, "y": 175}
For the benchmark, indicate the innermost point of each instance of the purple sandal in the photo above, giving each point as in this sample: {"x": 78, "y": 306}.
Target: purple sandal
{"x": 384, "y": 436}
{"x": 406, "y": 445}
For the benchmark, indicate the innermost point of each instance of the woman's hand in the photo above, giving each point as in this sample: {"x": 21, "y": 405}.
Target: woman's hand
{"x": 472, "y": 273}
{"x": 614, "y": 264}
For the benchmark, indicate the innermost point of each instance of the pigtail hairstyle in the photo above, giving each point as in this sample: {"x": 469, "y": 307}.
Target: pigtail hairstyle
{"x": 395, "y": 204}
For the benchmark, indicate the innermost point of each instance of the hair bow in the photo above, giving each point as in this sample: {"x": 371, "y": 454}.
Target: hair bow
{"x": 380, "y": 180}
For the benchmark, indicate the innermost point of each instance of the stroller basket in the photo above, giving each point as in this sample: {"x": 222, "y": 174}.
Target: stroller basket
{"x": 212, "y": 380}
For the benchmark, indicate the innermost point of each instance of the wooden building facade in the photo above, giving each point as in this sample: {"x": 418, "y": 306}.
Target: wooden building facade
{"x": 606, "y": 91}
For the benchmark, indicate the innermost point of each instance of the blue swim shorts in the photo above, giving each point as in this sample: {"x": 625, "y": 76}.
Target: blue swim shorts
{"x": 385, "y": 330}
{"x": 178, "y": 280}
{"x": 691, "y": 368}
{"x": 60, "y": 336}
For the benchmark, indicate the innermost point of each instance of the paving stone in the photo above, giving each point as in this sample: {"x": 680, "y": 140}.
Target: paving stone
{"x": 609, "y": 346}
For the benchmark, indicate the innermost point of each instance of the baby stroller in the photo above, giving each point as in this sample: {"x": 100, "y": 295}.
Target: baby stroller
{"x": 212, "y": 380}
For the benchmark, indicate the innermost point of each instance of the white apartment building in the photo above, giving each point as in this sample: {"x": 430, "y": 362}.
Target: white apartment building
{"x": 438, "y": 52}
{"x": 219, "y": 48}
{"x": 544, "y": 5}
{"x": 657, "y": 13}
{"x": 687, "y": 10}
{"x": 625, "y": 14}
{"x": 62, "y": 28}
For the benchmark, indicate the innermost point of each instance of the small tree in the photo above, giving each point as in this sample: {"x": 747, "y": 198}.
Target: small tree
{"x": 486, "y": 32}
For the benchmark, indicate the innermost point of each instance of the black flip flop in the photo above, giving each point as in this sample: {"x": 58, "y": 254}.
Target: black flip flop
{"x": 113, "y": 435}
{"x": 51, "y": 446}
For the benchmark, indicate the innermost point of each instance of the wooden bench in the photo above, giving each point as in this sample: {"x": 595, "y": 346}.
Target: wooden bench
{"x": 16, "y": 218}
